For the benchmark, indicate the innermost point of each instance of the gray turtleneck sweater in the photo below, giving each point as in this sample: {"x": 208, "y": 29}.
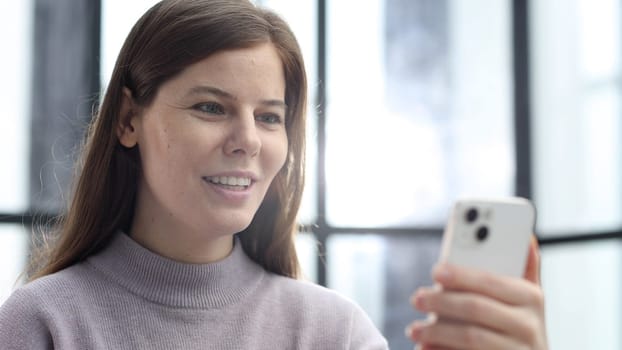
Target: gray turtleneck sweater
{"x": 127, "y": 297}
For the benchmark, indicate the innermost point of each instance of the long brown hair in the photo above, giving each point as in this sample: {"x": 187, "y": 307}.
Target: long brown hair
{"x": 170, "y": 36}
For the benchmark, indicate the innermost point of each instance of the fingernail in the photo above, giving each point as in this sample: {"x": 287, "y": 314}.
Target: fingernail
{"x": 442, "y": 273}
{"x": 416, "y": 331}
{"x": 420, "y": 300}
{"x": 413, "y": 331}
{"x": 413, "y": 299}
{"x": 408, "y": 331}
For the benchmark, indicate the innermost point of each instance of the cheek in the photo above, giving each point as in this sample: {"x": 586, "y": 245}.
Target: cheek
{"x": 279, "y": 152}
{"x": 163, "y": 150}
{"x": 277, "y": 149}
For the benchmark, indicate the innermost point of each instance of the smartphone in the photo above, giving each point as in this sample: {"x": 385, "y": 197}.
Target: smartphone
{"x": 489, "y": 234}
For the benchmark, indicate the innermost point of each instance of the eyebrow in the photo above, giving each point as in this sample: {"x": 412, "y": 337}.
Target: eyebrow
{"x": 206, "y": 89}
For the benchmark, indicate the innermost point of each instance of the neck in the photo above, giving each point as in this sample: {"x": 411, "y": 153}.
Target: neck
{"x": 181, "y": 244}
{"x": 169, "y": 236}
{"x": 184, "y": 249}
{"x": 167, "y": 282}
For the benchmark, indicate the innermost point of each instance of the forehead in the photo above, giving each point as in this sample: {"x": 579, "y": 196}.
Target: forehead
{"x": 258, "y": 66}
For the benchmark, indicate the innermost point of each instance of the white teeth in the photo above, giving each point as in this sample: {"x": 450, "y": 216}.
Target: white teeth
{"x": 230, "y": 180}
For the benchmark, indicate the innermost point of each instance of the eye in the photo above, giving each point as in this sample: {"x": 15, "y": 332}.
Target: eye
{"x": 269, "y": 118}
{"x": 209, "y": 107}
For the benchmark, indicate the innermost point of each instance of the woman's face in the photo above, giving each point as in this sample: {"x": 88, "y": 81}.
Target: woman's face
{"x": 211, "y": 143}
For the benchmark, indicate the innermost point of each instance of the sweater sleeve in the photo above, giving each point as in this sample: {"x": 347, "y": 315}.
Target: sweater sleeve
{"x": 22, "y": 324}
{"x": 363, "y": 333}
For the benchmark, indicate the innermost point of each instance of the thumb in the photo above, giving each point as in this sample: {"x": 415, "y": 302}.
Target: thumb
{"x": 532, "y": 270}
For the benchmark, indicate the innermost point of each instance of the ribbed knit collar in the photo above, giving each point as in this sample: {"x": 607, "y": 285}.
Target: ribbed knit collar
{"x": 168, "y": 282}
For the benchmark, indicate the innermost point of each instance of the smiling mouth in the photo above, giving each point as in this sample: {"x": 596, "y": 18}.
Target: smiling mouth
{"x": 229, "y": 182}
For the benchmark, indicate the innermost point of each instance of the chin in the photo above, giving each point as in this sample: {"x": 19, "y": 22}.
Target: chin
{"x": 231, "y": 227}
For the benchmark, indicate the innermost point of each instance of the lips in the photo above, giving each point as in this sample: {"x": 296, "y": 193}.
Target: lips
{"x": 230, "y": 183}
{"x": 229, "y": 180}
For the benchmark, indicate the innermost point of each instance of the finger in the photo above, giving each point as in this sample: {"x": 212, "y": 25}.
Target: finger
{"x": 430, "y": 347}
{"x": 420, "y": 345}
{"x": 450, "y": 335}
{"x": 475, "y": 309}
{"x": 510, "y": 290}
{"x": 532, "y": 270}
{"x": 434, "y": 347}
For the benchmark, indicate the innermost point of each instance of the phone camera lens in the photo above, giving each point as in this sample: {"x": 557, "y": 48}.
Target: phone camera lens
{"x": 471, "y": 215}
{"x": 482, "y": 233}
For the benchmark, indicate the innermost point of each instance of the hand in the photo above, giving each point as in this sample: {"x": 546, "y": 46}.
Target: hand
{"x": 479, "y": 310}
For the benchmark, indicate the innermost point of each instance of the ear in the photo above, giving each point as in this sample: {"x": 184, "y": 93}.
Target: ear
{"x": 128, "y": 120}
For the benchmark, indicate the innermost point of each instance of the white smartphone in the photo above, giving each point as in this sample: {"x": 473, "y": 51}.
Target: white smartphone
{"x": 489, "y": 234}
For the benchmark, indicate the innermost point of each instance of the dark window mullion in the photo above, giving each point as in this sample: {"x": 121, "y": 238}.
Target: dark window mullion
{"x": 65, "y": 88}
{"x": 320, "y": 227}
{"x": 522, "y": 115}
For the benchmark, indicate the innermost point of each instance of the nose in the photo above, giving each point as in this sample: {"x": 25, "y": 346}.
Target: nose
{"x": 243, "y": 136}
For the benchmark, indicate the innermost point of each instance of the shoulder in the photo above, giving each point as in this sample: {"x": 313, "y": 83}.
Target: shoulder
{"x": 325, "y": 310}
{"x": 30, "y": 317}
{"x": 24, "y": 321}
{"x": 43, "y": 295}
{"x": 305, "y": 293}
{"x": 23, "y": 302}
{"x": 56, "y": 285}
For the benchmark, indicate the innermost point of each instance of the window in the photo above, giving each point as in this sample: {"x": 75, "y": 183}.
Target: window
{"x": 583, "y": 288}
{"x": 417, "y": 113}
{"x": 16, "y": 31}
{"x": 118, "y": 17}
{"x": 577, "y": 168}
{"x": 577, "y": 128}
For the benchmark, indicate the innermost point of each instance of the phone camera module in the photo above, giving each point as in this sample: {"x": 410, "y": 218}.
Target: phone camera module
{"x": 471, "y": 215}
{"x": 482, "y": 233}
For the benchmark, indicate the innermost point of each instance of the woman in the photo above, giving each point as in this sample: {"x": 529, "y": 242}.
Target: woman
{"x": 180, "y": 230}
{"x": 199, "y": 138}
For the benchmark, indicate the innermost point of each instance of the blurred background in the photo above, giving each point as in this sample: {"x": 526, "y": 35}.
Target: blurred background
{"x": 413, "y": 104}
